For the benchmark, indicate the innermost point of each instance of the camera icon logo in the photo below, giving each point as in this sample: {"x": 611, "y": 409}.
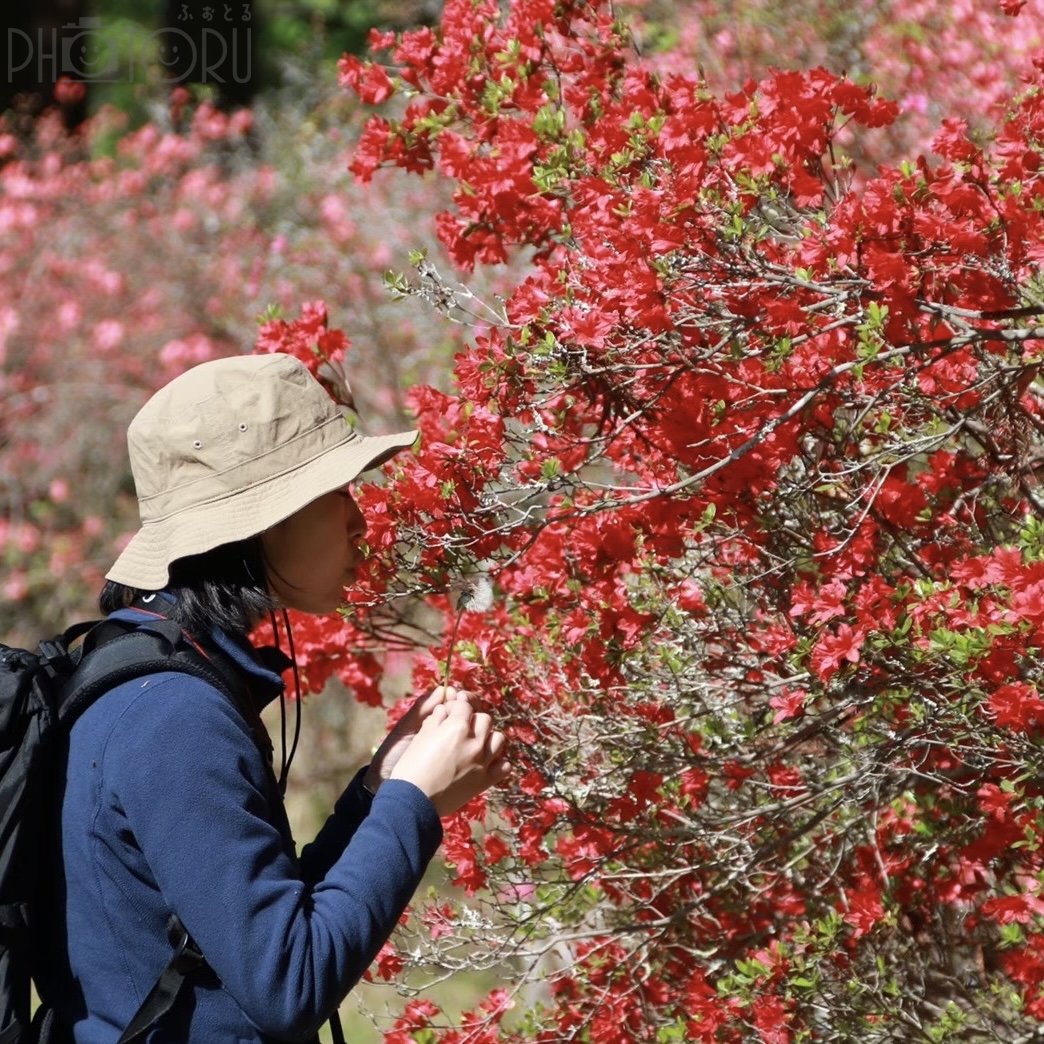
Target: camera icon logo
{"x": 87, "y": 53}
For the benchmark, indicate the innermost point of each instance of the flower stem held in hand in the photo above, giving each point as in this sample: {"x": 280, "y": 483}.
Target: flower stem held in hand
{"x": 476, "y": 597}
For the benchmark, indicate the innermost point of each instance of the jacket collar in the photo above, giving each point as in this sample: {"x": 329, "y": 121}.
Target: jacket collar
{"x": 264, "y": 665}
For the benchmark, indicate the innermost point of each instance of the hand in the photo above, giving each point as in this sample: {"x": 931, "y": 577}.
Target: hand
{"x": 396, "y": 742}
{"x": 455, "y": 755}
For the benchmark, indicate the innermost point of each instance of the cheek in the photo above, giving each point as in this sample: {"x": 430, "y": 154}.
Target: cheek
{"x": 309, "y": 549}
{"x": 291, "y": 543}
{"x": 320, "y": 554}
{"x": 273, "y": 545}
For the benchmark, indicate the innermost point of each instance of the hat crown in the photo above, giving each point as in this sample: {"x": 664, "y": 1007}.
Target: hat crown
{"x": 220, "y": 415}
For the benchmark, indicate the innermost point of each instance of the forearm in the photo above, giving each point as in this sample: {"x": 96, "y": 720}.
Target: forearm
{"x": 352, "y": 807}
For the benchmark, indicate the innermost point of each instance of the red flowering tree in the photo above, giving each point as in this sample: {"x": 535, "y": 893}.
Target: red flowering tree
{"x": 749, "y": 465}
{"x": 733, "y": 517}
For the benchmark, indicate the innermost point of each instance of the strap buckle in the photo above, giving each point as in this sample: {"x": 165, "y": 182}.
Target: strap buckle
{"x": 187, "y": 955}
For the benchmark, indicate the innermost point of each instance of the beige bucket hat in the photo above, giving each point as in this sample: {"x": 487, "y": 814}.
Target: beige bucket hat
{"x": 230, "y": 448}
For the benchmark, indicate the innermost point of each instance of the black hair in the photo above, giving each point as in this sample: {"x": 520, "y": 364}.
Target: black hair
{"x": 226, "y": 587}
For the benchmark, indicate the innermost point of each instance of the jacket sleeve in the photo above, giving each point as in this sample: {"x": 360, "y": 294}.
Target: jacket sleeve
{"x": 351, "y": 808}
{"x": 192, "y": 785}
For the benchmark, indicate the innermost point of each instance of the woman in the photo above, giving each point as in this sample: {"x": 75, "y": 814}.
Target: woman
{"x": 171, "y": 807}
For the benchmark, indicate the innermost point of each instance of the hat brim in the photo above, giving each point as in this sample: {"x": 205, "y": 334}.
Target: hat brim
{"x": 145, "y": 561}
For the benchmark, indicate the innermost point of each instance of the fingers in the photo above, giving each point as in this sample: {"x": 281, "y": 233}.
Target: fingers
{"x": 497, "y": 747}
{"x": 493, "y": 745}
{"x": 498, "y": 772}
{"x": 475, "y": 728}
{"x": 424, "y": 705}
{"x": 447, "y": 694}
{"x": 481, "y": 727}
{"x": 473, "y": 725}
{"x": 436, "y": 716}
{"x": 458, "y": 709}
{"x": 441, "y": 694}
{"x": 455, "y": 715}
{"x": 455, "y": 754}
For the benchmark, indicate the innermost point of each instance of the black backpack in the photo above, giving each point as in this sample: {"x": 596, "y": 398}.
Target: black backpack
{"x": 41, "y": 694}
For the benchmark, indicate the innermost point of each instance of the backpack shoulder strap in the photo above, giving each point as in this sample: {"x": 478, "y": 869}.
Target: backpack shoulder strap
{"x": 186, "y": 959}
{"x": 114, "y": 652}
{"x": 151, "y": 648}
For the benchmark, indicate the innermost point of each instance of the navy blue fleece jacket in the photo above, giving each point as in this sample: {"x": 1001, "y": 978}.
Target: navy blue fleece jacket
{"x": 169, "y": 807}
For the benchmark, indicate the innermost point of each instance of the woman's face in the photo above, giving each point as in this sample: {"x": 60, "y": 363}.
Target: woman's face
{"x": 314, "y": 553}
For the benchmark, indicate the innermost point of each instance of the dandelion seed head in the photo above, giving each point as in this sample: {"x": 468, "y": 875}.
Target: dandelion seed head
{"x": 477, "y": 595}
